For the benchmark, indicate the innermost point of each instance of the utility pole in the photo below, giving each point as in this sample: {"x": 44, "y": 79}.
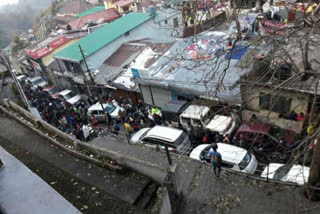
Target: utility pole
{"x": 88, "y": 70}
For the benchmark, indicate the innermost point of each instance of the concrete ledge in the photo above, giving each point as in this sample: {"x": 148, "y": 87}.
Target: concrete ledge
{"x": 150, "y": 170}
{"x": 62, "y": 146}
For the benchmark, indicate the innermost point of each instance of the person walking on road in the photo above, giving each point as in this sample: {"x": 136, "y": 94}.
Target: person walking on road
{"x": 216, "y": 159}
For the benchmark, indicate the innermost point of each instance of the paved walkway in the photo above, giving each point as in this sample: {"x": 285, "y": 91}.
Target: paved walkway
{"x": 23, "y": 192}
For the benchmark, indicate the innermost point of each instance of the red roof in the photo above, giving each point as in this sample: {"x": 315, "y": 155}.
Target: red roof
{"x": 107, "y": 16}
{"x": 256, "y": 127}
{"x": 122, "y": 3}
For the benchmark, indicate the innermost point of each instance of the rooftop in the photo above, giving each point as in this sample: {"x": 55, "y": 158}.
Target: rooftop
{"x": 22, "y": 191}
{"x": 74, "y": 7}
{"x": 103, "y": 36}
{"x": 195, "y": 111}
{"x": 104, "y": 15}
{"x": 115, "y": 70}
{"x": 199, "y": 66}
{"x": 122, "y": 3}
{"x": 91, "y": 11}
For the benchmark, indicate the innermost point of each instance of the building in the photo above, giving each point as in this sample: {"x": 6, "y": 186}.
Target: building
{"x": 123, "y": 6}
{"x": 104, "y": 16}
{"x": 74, "y": 7}
{"x": 115, "y": 73}
{"x": 102, "y": 43}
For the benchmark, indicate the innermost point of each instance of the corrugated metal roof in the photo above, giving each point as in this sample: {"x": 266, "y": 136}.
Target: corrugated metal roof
{"x": 106, "y": 15}
{"x": 91, "y": 11}
{"x": 105, "y": 35}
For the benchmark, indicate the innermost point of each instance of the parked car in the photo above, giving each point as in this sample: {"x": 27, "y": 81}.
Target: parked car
{"x": 255, "y": 132}
{"x": 200, "y": 118}
{"x": 97, "y": 111}
{"x": 172, "y": 110}
{"x": 297, "y": 173}
{"x": 35, "y": 82}
{"x": 22, "y": 78}
{"x": 69, "y": 97}
{"x": 232, "y": 157}
{"x": 51, "y": 91}
{"x": 176, "y": 139}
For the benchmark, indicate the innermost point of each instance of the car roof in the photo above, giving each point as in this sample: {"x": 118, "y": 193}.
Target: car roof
{"x": 230, "y": 153}
{"x": 35, "y": 78}
{"x": 220, "y": 123}
{"x": 195, "y": 111}
{"x": 164, "y": 133}
{"x": 64, "y": 92}
{"x": 174, "y": 106}
{"x": 21, "y": 76}
{"x": 48, "y": 88}
{"x": 97, "y": 106}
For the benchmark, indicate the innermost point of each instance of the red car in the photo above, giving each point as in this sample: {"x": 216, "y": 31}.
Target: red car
{"x": 51, "y": 91}
{"x": 257, "y": 132}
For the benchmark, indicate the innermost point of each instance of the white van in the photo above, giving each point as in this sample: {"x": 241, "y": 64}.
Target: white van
{"x": 232, "y": 157}
{"x": 35, "y": 82}
{"x": 175, "y": 139}
{"x": 69, "y": 97}
{"x": 98, "y": 113}
{"x": 199, "y": 117}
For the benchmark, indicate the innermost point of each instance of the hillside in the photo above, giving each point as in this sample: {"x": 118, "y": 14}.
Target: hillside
{"x": 15, "y": 19}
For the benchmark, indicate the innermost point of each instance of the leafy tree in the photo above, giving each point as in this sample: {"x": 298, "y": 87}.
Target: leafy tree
{"x": 18, "y": 45}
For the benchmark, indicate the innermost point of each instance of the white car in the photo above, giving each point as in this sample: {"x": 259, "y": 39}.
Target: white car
{"x": 36, "y": 82}
{"x": 98, "y": 113}
{"x": 297, "y": 173}
{"x": 232, "y": 157}
{"x": 22, "y": 78}
{"x": 199, "y": 117}
{"x": 69, "y": 96}
{"x": 175, "y": 139}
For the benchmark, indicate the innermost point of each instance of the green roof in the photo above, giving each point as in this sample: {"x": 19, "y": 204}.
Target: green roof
{"x": 103, "y": 36}
{"x": 90, "y": 11}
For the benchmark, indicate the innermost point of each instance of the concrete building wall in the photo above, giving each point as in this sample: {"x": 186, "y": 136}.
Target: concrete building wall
{"x": 250, "y": 98}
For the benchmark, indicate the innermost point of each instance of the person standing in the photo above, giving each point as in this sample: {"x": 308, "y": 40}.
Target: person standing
{"x": 227, "y": 139}
{"x": 216, "y": 159}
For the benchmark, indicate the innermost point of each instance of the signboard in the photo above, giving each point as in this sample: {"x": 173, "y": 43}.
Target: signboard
{"x": 58, "y": 42}
{"x": 41, "y": 52}
{"x": 135, "y": 73}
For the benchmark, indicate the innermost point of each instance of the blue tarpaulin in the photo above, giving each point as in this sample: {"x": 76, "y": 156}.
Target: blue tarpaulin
{"x": 237, "y": 52}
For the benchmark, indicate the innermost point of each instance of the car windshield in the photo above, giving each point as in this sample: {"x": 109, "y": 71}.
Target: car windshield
{"x": 205, "y": 152}
{"x": 144, "y": 134}
{"x": 53, "y": 91}
{"x": 109, "y": 108}
{"x": 37, "y": 81}
{"x": 245, "y": 162}
{"x": 207, "y": 118}
{"x": 69, "y": 95}
{"x": 281, "y": 173}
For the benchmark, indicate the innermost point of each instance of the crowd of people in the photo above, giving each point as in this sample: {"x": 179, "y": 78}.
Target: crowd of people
{"x": 75, "y": 121}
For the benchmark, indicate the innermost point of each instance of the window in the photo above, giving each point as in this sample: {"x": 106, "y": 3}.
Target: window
{"x": 175, "y": 22}
{"x": 185, "y": 120}
{"x": 165, "y": 22}
{"x": 277, "y": 104}
{"x": 196, "y": 123}
{"x": 125, "y": 9}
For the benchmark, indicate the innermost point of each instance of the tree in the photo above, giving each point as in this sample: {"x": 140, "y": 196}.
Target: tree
{"x": 18, "y": 45}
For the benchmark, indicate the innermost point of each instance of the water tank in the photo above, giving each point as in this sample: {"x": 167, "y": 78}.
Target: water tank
{"x": 152, "y": 11}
